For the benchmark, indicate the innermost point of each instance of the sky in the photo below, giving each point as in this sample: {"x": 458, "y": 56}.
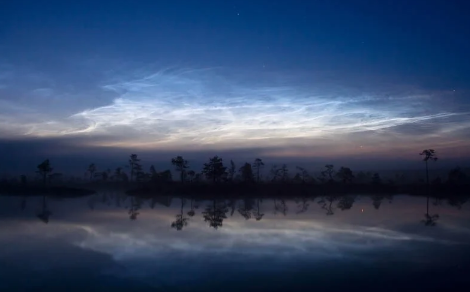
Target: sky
{"x": 351, "y": 81}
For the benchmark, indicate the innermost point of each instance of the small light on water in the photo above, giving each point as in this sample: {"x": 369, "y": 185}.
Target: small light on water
{"x": 362, "y": 210}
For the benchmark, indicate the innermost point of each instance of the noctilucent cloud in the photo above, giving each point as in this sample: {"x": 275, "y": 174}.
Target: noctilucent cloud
{"x": 289, "y": 78}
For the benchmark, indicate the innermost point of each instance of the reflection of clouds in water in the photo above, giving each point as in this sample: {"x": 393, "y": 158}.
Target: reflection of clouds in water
{"x": 284, "y": 238}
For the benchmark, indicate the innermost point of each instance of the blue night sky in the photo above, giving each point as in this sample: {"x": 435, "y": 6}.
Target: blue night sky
{"x": 285, "y": 79}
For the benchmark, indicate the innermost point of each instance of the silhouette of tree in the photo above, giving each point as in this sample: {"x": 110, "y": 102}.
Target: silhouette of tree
{"x": 231, "y": 171}
{"x": 429, "y": 220}
{"x": 44, "y": 169}
{"x": 180, "y": 221}
{"x": 180, "y": 165}
{"x": 284, "y": 173}
{"x": 363, "y": 177}
{"x": 329, "y": 172}
{"x": 166, "y": 176}
{"x": 91, "y": 170}
{"x": 23, "y": 180}
{"x": 119, "y": 175}
{"x": 54, "y": 177}
{"x": 134, "y": 166}
{"x": 345, "y": 174}
{"x": 245, "y": 209}
{"x": 45, "y": 212}
{"x": 198, "y": 177}
{"x": 429, "y": 155}
{"x": 214, "y": 170}
{"x": 191, "y": 174}
{"x": 303, "y": 175}
{"x": 400, "y": 178}
{"x": 279, "y": 173}
{"x": 215, "y": 214}
{"x": 258, "y": 165}
{"x": 346, "y": 202}
{"x": 275, "y": 173}
{"x": 376, "y": 180}
{"x": 246, "y": 173}
{"x": 457, "y": 176}
{"x": 280, "y": 206}
{"x": 153, "y": 173}
{"x": 105, "y": 175}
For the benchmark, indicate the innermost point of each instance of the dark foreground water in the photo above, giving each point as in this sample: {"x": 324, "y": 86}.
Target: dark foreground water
{"x": 356, "y": 243}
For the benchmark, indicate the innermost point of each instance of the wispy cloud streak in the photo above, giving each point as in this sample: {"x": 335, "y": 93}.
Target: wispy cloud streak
{"x": 208, "y": 107}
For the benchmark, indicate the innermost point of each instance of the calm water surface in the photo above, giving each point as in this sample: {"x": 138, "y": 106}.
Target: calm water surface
{"x": 111, "y": 241}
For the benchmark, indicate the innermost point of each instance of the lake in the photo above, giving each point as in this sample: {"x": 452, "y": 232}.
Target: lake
{"x": 112, "y": 241}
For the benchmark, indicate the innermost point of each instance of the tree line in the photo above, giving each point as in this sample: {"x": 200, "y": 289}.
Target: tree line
{"x": 216, "y": 172}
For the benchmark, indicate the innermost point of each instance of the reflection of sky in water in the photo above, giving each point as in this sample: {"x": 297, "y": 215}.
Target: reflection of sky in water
{"x": 103, "y": 245}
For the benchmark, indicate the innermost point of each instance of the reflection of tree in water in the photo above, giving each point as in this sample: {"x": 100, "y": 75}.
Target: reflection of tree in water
{"x": 180, "y": 221}
{"x": 215, "y": 213}
{"x": 280, "y": 206}
{"x": 346, "y": 202}
{"x": 245, "y": 209}
{"x": 232, "y": 204}
{"x": 429, "y": 220}
{"x": 106, "y": 198}
{"x": 45, "y": 213}
{"x": 162, "y": 200}
{"x": 437, "y": 202}
{"x": 302, "y": 205}
{"x": 136, "y": 204}
{"x": 258, "y": 215}
{"x": 91, "y": 202}
{"x": 23, "y": 203}
{"x": 119, "y": 198}
{"x": 327, "y": 204}
{"x": 377, "y": 201}
{"x": 191, "y": 212}
{"x": 457, "y": 202}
